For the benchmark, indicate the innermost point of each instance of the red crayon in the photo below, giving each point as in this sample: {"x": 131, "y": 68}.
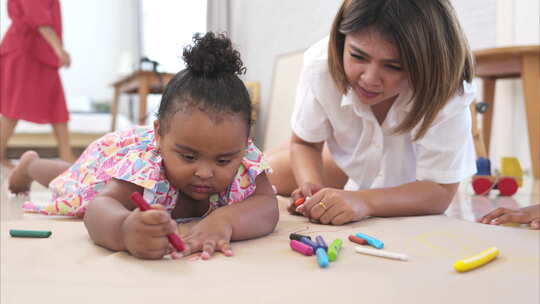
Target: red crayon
{"x": 357, "y": 240}
{"x": 174, "y": 239}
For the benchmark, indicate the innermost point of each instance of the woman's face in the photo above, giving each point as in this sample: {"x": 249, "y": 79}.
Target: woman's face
{"x": 373, "y": 67}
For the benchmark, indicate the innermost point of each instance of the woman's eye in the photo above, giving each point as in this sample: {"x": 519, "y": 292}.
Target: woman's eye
{"x": 358, "y": 57}
{"x": 393, "y": 67}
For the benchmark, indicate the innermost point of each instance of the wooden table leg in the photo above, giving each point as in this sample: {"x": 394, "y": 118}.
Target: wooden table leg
{"x": 488, "y": 85}
{"x": 114, "y": 108}
{"x": 144, "y": 89}
{"x": 531, "y": 91}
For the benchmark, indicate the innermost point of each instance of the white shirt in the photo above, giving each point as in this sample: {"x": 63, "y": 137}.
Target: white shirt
{"x": 370, "y": 155}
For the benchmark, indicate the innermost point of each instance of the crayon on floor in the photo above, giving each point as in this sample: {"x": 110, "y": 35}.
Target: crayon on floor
{"x": 357, "y": 240}
{"x": 334, "y": 248}
{"x": 381, "y": 253}
{"x": 322, "y": 257}
{"x": 476, "y": 261}
{"x": 301, "y": 247}
{"x": 371, "y": 240}
{"x": 310, "y": 243}
{"x": 30, "y": 233}
{"x": 296, "y": 236}
{"x": 321, "y": 242}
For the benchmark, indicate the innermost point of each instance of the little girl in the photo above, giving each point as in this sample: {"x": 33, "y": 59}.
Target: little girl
{"x": 196, "y": 162}
{"x": 381, "y": 125}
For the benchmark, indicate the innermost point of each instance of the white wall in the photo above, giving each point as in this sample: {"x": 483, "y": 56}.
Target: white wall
{"x": 265, "y": 29}
{"x": 96, "y": 34}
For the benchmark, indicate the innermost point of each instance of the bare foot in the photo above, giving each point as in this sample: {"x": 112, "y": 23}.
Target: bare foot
{"x": 19, "y": 180}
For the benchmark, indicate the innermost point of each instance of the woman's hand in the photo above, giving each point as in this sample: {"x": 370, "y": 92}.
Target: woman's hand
{"x": 145, "y": 233}
{"x": 336, "y": 207}
{"x": 526, "y": 215}
{"x": 209, "y": 235}
{"x": 304, "y": 191}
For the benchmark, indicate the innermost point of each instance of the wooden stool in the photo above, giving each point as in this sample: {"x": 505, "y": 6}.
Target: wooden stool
{"x": 141, "y": 83}
{"x": 513, "y": 62}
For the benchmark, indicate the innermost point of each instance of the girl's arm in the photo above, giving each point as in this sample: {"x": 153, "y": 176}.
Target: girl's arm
{"x": 417, "y": 198}
{"x": 113, "y": 223}
{"x": 254, "y": 217}
{"x": 50, "y": 36}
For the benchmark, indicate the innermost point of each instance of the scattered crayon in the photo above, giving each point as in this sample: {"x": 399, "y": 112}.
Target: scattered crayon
{"x": 371, "y": 240}
{"x": 296, "y": 236}
{"x": 310, "y": 243}
{"x": 357, "y": 240}
{"x": 334, "y": 248}
{"x": 322, "y": 258}
{"x": 30, "y": 233}
{"x": 321, "y": 242}
{"x": 301, "y": 247}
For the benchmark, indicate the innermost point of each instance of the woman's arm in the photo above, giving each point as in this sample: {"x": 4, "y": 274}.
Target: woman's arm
{"x": 306, "y": 161}
{"x": 334, "y": 206}
{"x": 50, "y": 36}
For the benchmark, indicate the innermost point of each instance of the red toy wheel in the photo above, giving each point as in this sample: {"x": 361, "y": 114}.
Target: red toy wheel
{"x": 507, "y": 186}
{"x": 482, "y": 185}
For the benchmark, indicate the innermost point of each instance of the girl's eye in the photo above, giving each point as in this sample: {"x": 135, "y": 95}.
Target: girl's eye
{"x": 223, "y": 162}
{"x": 188, "y": 157}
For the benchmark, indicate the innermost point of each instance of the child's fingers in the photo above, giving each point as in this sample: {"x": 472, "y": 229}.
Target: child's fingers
{"x": 515, "y": 217}
{"x": 153, "y": 217}
{"x": 209, "y": 246}
{"x": 225, "y": 247}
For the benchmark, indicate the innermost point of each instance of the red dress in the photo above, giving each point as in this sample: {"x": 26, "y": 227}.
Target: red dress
{"x": 30, "y": 85}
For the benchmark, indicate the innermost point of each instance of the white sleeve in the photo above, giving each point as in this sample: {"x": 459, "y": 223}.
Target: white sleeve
{"x": 446, "y": 153}
{"x": 309, "y": 120}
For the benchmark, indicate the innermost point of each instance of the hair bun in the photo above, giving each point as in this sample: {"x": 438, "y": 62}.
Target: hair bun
{"x": 212, "y": 55}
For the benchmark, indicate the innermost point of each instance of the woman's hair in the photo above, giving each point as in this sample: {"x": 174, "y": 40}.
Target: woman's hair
{"x": 209, "y": 82}
{"x": 432, "y": 47}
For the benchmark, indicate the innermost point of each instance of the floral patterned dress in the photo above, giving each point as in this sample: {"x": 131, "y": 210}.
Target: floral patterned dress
{"x": 131, "y": 155}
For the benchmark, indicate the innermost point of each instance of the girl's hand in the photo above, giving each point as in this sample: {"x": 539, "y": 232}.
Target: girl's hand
{"x": 209, "y": 235}
{"x": 526, "y": 215}
{"x": 145, "y": 233}
{"x": 305, "y": 190}
{"x": 336, "y": 207}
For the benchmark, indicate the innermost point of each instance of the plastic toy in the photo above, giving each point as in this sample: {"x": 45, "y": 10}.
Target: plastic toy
{"x": 507, "y": 182}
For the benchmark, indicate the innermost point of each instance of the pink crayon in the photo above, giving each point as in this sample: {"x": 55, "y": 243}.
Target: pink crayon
{"x": 301, "y": 247}
{"x": 174, "y": 239}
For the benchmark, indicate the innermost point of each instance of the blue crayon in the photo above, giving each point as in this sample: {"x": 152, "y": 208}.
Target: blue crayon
{"x": 371, "y": 240}
{"x": 309, "y": 242}
{"x": 321, "y": 242}
{"x": 322, "y": 258}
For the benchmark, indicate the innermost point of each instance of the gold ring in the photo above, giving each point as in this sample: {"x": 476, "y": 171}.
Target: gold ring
{"x": 322, "y": 204}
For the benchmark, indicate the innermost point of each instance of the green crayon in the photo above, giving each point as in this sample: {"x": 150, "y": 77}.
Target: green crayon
{"x": 334, "y": 249}
{"x": 30, "y": 233}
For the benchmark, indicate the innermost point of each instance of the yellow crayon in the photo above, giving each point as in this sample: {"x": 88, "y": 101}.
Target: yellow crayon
{"x": 478, "y": 260}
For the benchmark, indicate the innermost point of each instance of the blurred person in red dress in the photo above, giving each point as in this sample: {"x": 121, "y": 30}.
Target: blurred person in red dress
{"x": 31, "y": 53}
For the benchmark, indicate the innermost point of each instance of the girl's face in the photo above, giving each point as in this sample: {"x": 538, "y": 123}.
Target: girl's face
{"x": 373, "y": 67}
{"x": 201, "y": 155}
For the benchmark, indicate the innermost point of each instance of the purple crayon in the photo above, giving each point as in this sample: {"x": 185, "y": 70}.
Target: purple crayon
{"x": 321, "y": 242}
